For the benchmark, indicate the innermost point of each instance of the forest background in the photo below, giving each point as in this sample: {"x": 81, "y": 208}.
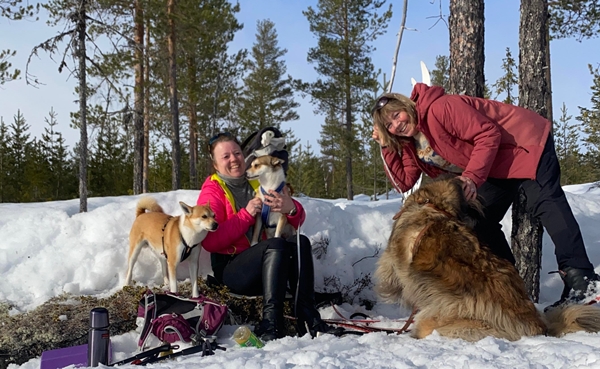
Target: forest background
{"x": 164, "y": 77}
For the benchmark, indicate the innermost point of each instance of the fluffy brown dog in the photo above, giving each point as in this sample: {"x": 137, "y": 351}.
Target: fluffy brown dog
{"x": 435, "y": 264}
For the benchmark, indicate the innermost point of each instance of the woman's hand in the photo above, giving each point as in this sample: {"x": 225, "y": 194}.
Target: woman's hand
{"x": 254, "y": 206}
{"x": 469, "y": 187}
{"x": 376, "y": 134}
{"x": 280, "y": 202}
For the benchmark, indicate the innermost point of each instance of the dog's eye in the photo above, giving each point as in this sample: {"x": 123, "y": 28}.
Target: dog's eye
{"x": 204, "y": 217}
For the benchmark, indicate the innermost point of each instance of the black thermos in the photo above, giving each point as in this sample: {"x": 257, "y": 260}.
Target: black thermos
{"x": 98, "y": 337}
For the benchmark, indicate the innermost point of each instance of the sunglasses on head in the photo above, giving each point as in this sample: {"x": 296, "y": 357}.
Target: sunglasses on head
{"x": 380, "y": 103}
{"x": 214, "y": 138}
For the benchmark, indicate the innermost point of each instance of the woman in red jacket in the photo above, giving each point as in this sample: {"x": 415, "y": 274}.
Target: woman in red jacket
{"x": 495, "y": 149}
{"x": 267, "y": 267}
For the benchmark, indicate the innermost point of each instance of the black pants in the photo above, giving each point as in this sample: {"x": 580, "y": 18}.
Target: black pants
{"x": 243, "y": 274}
{"x": 545, "y": 200}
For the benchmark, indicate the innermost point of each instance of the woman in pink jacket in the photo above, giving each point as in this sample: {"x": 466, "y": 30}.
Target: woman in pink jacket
{"x": 495, "y": 149}
{"x": 267, "y": 267}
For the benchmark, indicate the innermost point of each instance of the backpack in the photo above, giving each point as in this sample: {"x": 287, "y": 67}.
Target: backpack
{"x": 266, "y": 141}
{"x": 173, "y": 318}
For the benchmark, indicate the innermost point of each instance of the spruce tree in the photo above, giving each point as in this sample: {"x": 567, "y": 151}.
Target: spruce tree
{"x": 308, "y": 173}
{"x": 345, "y": 30}
{"x": 59, "y": 181}
{"x": 440, "y": 76}
{"x": 590, "y": 121}
{"x": 566, "y": 141}
{"x": 267, "y": 99}
{"x": 510, "y": 79}
{"x": 19, "y": 146}
{"x": 5, "y": 160}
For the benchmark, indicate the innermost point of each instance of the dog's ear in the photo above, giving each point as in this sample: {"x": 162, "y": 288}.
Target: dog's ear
{"x": 187, "y": 210}
{"x": 276, "y": 161}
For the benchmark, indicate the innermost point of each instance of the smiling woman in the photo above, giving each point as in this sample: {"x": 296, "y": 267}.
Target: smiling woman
{"x": 481, "y": 141}
{"x": 268, "y": 267}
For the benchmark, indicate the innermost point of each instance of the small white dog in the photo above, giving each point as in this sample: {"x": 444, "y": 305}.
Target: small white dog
{"x": 271, "y": 176}
{"x": 173, "y": 239}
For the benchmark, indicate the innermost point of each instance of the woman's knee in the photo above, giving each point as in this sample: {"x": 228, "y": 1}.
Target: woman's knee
{"x": 275, "y": 244}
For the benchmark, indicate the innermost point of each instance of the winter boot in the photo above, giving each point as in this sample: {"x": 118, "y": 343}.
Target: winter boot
{"x": 274, "y": 278}
{"x": 578, "y": 281}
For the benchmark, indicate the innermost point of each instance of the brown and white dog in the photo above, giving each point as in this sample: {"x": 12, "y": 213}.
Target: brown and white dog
{"x": 434, "y": 264}
{"x": 172, "y": 239}
{"x": 268, "y": 170}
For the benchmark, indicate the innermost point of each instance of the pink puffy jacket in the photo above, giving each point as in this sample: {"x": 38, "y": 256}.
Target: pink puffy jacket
{"x": 230, "y": 238}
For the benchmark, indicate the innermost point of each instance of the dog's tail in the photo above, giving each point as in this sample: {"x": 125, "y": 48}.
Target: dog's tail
{"x": 147, "y": 203}
{"x": 573, "y": 318}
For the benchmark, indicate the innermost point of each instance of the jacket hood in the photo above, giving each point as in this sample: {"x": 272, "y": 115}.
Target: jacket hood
{"x": 424, "y": 96}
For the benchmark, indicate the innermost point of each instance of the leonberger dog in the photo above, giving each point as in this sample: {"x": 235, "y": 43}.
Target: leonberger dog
{"x": 435, "y": 265}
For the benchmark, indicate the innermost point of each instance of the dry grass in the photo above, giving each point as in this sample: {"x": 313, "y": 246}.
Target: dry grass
{"x": 25, "y": 336}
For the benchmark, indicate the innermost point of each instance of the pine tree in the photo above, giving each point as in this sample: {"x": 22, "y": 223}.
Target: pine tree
{"x": 534, "y": 94}
{"x": 267, "y": 99}
{"x": 466, "y": 47}
{"x": 590, "y": 121}
{"x": 574, "y": 18}
{"x": 12, "y": 10}
{"x": 345, "y": 30}
{"x": 510, "y": 79}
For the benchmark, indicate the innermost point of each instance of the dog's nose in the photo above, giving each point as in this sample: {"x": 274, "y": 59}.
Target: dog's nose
{"x": 214, "y": 226}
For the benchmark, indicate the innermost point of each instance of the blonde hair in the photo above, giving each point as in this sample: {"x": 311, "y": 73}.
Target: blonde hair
{"x": 397, "y": 102}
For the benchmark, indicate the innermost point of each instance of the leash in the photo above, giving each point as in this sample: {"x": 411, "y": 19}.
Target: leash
{"x": 187, "y": 248}
{"x": 163, "y": 235}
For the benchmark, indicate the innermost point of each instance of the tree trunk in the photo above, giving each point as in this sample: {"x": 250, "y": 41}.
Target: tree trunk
{"x": 146, "y": 160}
{"x": 533, "y": 94}
{"x": 83, "y": 140}
{"x": 174, "y": 103}
{"x": 193, "y": 119}
{"x": 138, "y": 104}
{"x": 467, "y": 47}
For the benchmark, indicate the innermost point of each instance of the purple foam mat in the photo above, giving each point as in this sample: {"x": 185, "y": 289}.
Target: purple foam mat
{"x": 60, "y": 358}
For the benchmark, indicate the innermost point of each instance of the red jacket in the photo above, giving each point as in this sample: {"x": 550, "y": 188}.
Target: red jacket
{"x": 487, "y": 138}
{"x": 230, "y": 237}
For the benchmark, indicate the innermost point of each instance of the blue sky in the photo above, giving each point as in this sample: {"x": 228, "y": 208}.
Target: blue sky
{"x": 424, "y": 40}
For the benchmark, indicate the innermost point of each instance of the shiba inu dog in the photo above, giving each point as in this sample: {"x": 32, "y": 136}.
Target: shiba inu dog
{"x": 268, "y": 170}
{"x": 435, "y": 264}
{"x": 173, "y": 239}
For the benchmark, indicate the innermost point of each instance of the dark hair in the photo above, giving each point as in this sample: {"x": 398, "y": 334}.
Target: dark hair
{"x": 220, "y": 137}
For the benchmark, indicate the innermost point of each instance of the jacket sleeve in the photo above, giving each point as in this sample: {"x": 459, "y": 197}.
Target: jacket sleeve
{"x": 468, "y": 124}
{"x": 230, "y": 230}
{"x": 297, "y": 219}
{"x": 400, "y": 168}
